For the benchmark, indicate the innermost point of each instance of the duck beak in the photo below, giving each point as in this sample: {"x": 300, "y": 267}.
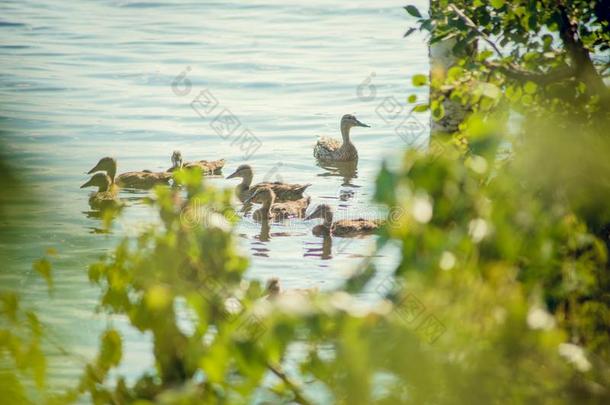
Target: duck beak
{"x": 96, "y": 168}
{"x": 88, "y": 184}
{"x": 361, "y": 124}
{"x": 233, "y": 175}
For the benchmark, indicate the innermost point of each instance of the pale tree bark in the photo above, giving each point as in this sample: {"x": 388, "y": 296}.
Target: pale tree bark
{"x": 441, "y": 59}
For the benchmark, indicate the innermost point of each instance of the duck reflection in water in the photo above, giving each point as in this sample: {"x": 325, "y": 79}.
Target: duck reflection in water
{"x": 264, "y": 236}
{"x": 324, "y": 250}
{"x": 347, "y": 170}
{"x": 105, "y": 203}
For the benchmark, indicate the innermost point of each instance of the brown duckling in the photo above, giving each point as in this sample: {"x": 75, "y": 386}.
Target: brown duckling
{"x": 103, "y": 198}
{"x": 344, "y": 227}
{"x": 273, "y": 290}
{"x": 206, "y": 166}
{"x": 276, "y": 211}
{"x": 283, "y": 191}
{"x": 141, "y": 180}
{"x": 330, "y": 149}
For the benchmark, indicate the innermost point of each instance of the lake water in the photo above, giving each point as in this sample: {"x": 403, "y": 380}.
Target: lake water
{"x": 80, "y": 80}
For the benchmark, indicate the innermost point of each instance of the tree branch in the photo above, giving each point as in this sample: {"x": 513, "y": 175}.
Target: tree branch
{"x": 578, "y": 53}
{"x": 523, "y": 75}
{"x": 470, "y": 24}
{"x": 515, "y": 72}
{"x": 298, "y": 395}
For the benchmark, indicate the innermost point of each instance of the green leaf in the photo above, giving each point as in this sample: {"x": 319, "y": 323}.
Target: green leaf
{"x": 454, "y": 73}
{"x": 438, "y": 111}
{"x": 12, "y": 389}
{"x": 43, "y": 267}
{"x": 530, "y": 87}
{"x": 111, "y": 350}
{"x": 488, "y": 90}
{"x": 419, "y": 80}
{"x": 497, "y": 3}
{"x": 485, "y": 54}
{"x": 409, "y": 32}
{"x": 10, "y": 305}
{"x": 421, "y": 108}
{"x": 413, "y": 11}
{"x": 385, "y": 186}
{"x": 412, "y": 98}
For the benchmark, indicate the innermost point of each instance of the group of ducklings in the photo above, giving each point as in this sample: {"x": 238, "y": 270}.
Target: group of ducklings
{"x": 108, "y": 182}
{"x": 278, "y": 200}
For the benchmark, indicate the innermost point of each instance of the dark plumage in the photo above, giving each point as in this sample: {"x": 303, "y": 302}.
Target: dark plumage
{"x": 344, "y": 227}
{"x": 141, "y": 180}
{"x": 283, "y": 191}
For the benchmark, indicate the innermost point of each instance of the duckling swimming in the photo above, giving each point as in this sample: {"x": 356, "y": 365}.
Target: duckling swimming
{"x": 329, "y": 149}
{"x": 141, "y": 180}
{"x": 277, "y": 211}
{"x": 283, "y": 191}
{"x": 103, "y": 198}
{"x": 206, "y": 166}
{"x": 273, "y": 290}
{"x": 344, "y": 227}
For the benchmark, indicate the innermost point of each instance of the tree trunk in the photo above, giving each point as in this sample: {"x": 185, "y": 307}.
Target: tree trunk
{"x": 441, "y": 59}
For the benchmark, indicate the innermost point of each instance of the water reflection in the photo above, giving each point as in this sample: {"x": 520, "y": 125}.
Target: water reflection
{"x": 263, "y": 236}
{"x": 129, "y": 109}
{"x": 105, "y": 216}
{"x": 324, "y": 252}
{"x": 347, "y": 170}
{"x": 260, "y": 236}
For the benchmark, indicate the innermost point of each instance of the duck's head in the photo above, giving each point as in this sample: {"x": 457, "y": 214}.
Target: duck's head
{"x": 322, "y": 211}
{"x": 99, "y": 180}
{"x": 243, "y": 171}
{"x": 263, "y": 195}
{"x": 177, "y": 158}
{"x": 349, "y": 121}
{"x": 273, "y": 287}
{"x": 106, "y": 164}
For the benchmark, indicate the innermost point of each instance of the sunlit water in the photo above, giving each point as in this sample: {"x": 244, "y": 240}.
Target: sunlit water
{"x": 85, "y": 79}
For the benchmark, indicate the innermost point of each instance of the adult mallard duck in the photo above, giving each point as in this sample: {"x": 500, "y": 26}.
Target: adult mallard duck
{"x": 103, "y": 198}
{"x": 329, "y": 149}
{"x": 276, "y": 211}
{"x": 344, "y": 227}
{"x": 283, "y": 191}
{"x": 206, "y": 166}
{"x": 141, "y": 180}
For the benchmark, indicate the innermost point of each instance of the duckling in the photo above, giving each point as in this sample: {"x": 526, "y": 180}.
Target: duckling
{"x": 329, "y": 149}
{"x": 276, "y": 211}
{"x": 141, "y": 180}
{"x": 344, "y": 227}
{"x": 283, "y": 191}
{"x": 274, "y": 290}
{"x": 206, "y": 166}
{"x": 103, "y": 198}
